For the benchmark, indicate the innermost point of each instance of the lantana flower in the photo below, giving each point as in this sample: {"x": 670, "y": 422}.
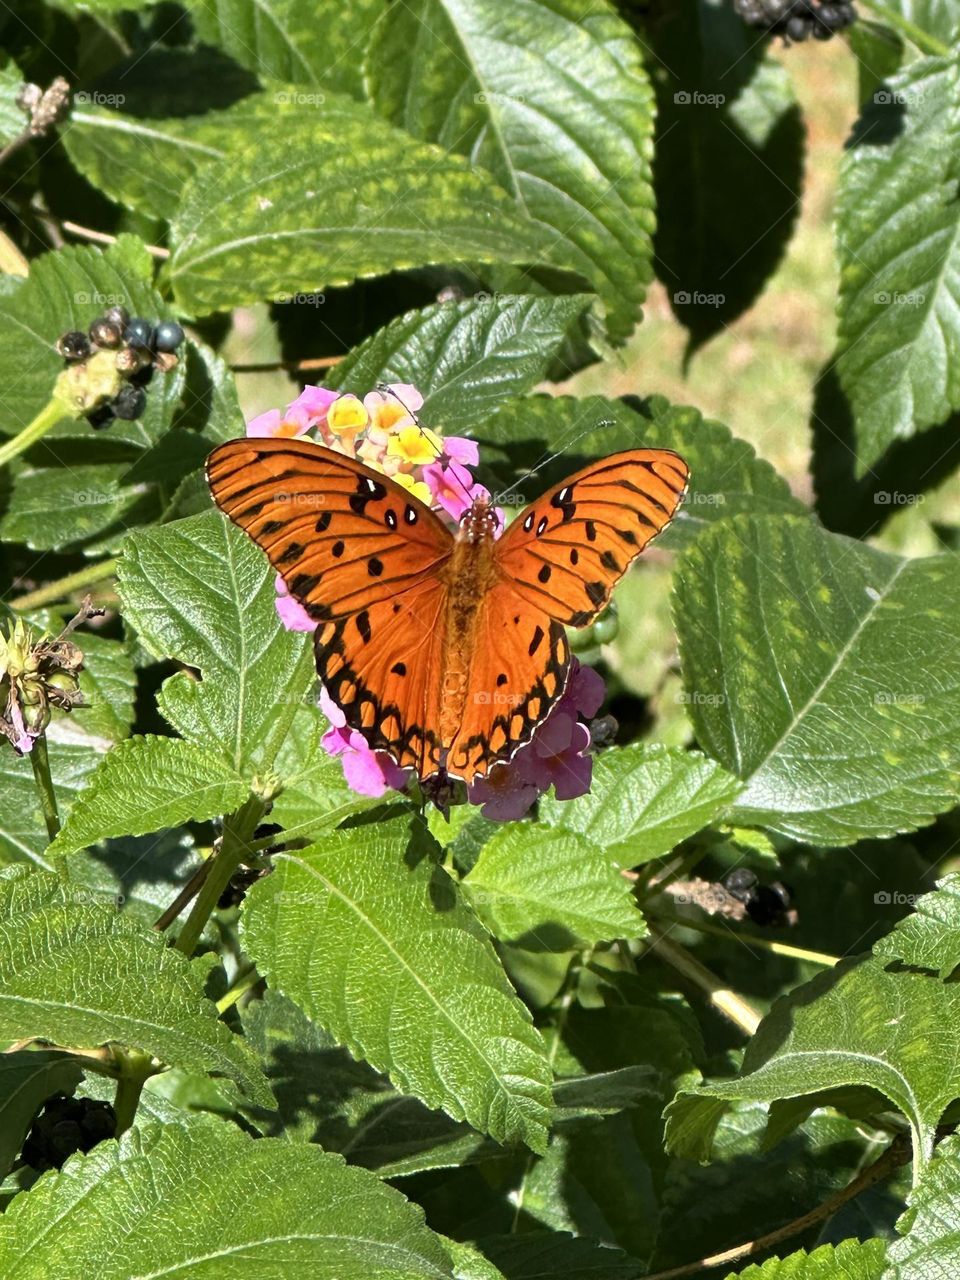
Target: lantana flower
{"x": 382, "y": 431}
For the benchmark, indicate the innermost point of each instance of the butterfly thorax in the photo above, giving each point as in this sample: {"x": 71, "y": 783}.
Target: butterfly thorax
{"x": 470, "y": 573}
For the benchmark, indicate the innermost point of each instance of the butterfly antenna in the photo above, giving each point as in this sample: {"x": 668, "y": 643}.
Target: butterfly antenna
{"x": 545, "y": 458}
{"x": 389, "y": 391}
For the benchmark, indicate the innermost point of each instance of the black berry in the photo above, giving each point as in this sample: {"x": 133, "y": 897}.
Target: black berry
{"x": 117, "y": 315}
{"x": 138, "y": 333}
{"x": 797, "y": 20}
{"x": 740, "y": 883}
{"x": 129, "y": 402}
{"x": 168, "y": 336}
{"x": 74, "y": 345}
{"x": 105, "y": 333}
{"x": 66, "y": 1125}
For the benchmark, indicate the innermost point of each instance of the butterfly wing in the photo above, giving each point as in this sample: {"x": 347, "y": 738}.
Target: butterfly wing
{"x": 564, "y": 554}
{"x": 342, "y": 537}
{"x": 363, "y": 558}
{"x": 518, "y": 667}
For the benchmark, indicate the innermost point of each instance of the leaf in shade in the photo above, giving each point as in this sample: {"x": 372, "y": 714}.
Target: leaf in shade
{"x": 27, "y": 1078}
{"x": 928, "y": 938}
{"x": 727, "y": 113}
{"x": 931, "y": 1225}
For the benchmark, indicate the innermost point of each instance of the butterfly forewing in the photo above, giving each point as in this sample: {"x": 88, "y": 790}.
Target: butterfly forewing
{"x": 342, "y": 537}
{"x": 566, "y": 552}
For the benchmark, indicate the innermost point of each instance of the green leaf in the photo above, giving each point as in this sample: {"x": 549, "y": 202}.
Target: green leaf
{"x": 549, "y": 890}
{"x": 644, "y": 800}
{"x": 27, "y": 1078}
{"x": 851, "y": 1259}
{"x": 365, "y": 934}
{"x": 532, "y": 1255}
{"x": 137, "y": 875}
{"x": 261, "y": 225}
{"x": 855, "y": 1026}
{"x": 327, "y": 1097}
{"x": 199, "y": 591}
{"x": 108, "y": 685}
{"x": 552, "y": 98}
{"x": 241, "y": 1207}
{"x": 898, "y": 225}
{"x": 937, "y": 18}
{"x": 23, "y": 836}
{"x": 60, "y": 507}
{"x": 467, "y": 358}
{"x": 280, "y": 39}
{"x": 931, "y": 1225}
{"x": 145, "y": 784}
{"x": 726, "y": 475}
{"x": 727, "y": 114}
{"x": 825, "y": 674}
{"x": 75, "y": 972}
{"x": 13, "y": 118}
{"x": 930, "y": 937}
{"x": 65, "y": 290}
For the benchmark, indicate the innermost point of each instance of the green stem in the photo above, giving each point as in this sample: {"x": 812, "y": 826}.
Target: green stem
{"x": 242, "y": 983}
{"x": 751, "y": 940}
{"x": 136, "y": 1068}
{"x": 64, "y": 587}
{"x": 48, "y": 417}
{"x": 41, "y": 776}
{"x": 924, "y": 41}
{"x": 238, "y": 829}
{"x": 728, "y": 1002}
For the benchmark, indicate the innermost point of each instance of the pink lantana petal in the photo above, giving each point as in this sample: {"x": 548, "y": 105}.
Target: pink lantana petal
{"x": 292, "y": 614}
{"x": 330, "y": 709}
{"x": 460, "y": 449}
{"x": 407, "y": 394}
{"x": 452, "y": 487}
{"x": 370, "y": 773}
{"x": 572, "y": 770}
{"x": 555, "y": 734}
{"x": 503, "y": 795}
{"x": 336, "y": 741}
{"x": 24, "y": 740}
{"x": 265, "y": 424}
{"x": 314, "y": 402}
{"x": 585, "y": 689}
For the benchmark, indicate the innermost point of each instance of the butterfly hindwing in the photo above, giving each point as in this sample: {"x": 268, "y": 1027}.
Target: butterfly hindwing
{"x": 342, "y": 537}
{"x": 566, "y": 552}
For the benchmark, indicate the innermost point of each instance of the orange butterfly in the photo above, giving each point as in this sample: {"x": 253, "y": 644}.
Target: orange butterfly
{"x": 445, "y": 650}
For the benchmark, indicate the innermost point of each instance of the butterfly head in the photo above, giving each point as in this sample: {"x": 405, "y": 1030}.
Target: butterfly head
{"x": 479, "y": 523}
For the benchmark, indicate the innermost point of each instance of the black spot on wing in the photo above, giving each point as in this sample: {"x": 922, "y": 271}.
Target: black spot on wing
{"x": 591, "y": 531}
{"x": 597, "y": 592}
{"x": 501, "y": 679}
{"x": 363, "y": 626}
{"x": 303, "y": 583}
{"x": 536, "y": 641}
{"x": 323, "y": 522}
{"x": 610, "y": 561}
{"x": 272, "y": 526}
{"x": 338, "y": 549}
{"x": 628, "y": 536}
{"x": 292, "y": 551}
{"x": 399, "y": 668}
{"x": 374, "y": 567}
{"x": 580, "y": 618}
{"x": 544, "y": 574}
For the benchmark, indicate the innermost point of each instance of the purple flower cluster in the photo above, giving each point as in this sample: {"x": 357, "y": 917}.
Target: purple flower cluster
{"x": 381, "y": 431}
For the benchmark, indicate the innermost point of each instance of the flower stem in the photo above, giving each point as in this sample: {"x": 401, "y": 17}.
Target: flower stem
{"x": 728, "y": 1002}
{"x": 48, "y": 417}
{"x": 64, "y": 587}
{"x": 751, "y": 939}
{"x": 136, "y": 1068}
{"x": 925, "y": 42}
{"x": 242, "y": 983}
{"x": 238, "y": 830}
{"x": 41, "y": 776}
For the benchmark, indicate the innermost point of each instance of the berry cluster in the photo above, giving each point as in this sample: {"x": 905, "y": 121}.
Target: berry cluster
{"x": 66, "y": 1125}
{"x": 140, "y": 346}
{"x": 797, "y": 20}
{"x": 766, "y": 904}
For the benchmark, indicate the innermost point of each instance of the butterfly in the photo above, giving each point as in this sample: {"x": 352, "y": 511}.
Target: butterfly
{"x": 446, "y": 650}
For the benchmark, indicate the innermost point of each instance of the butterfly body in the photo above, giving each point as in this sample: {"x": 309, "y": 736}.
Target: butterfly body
{"x": 445, "y": 650}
